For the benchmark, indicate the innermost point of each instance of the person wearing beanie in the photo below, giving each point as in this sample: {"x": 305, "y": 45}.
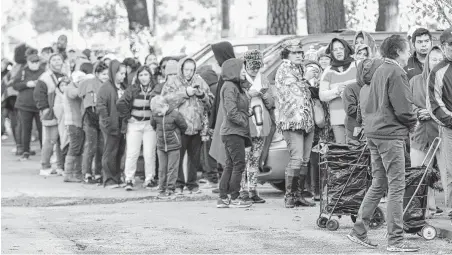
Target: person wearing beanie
{"x": 9, "y": 96}
{"x": 323, "y": 58}
{"x": 48, "y": 100}
{"x": 258, "y": 88}
{"x": 25, "y": 83}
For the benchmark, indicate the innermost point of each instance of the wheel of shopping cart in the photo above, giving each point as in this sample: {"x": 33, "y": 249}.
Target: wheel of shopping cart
{"x": 321, "y": 222}
{"x": 332, "y": 225}
{"x": 428, "y": 232}
{"x": 378, "y": 218}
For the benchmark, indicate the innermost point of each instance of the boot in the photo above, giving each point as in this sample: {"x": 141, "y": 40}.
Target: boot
{"x": 69, "y": 169}
{"x": 289, "y": 198}
{"x": 300, "y": 200}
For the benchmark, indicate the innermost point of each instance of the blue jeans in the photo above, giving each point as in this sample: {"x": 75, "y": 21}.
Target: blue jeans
{"x": 388, "y": 167}
{"x": 299, "y": 144}
{"x": 50, "y": 138}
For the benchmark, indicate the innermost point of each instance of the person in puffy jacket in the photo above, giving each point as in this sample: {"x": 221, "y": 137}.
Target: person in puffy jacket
{"x": 193, "y": 99}
{"x": 110, "y": 124}
{"x": 169, "y": 125}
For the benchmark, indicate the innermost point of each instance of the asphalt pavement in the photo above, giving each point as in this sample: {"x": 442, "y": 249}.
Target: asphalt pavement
{"x": 45, "y": 215}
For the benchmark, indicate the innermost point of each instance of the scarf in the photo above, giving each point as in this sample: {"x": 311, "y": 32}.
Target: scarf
{"x": 348, "y": 52}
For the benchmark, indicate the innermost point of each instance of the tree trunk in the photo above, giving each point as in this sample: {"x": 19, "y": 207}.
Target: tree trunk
{"x": 140, "y": 31}
{"x": 225, "y": 18}
{"x": 388, "y": 15}
{"x": 282, "y": 17}
{"x": 325, "y": 16}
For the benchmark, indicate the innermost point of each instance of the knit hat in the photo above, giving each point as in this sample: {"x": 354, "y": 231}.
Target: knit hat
{"x": 293, "y": 45}
{"x": 253, "y": 59}
{"x": 171, "y": 67}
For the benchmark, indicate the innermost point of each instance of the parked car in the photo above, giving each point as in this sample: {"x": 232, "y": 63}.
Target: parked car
{"x": 205, "y": 56}
{"x": 278, "y": 155}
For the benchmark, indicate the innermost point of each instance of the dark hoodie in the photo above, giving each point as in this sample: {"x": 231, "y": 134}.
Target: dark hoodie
{"x": 235, "y": 101}
{"x": 222, "y": 51}
{"x": 210, "y": 77}
{"x": 427, "y": 130}
{"x": 25, "y": 100}
{"x": 365, "y": 72}
{"x": 106, "y": 102}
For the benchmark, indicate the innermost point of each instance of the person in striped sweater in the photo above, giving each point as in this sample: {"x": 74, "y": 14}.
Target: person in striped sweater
{"x": 135, "y": 109}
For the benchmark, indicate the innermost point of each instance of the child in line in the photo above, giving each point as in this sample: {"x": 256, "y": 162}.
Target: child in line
{"x": 169, "y": 124}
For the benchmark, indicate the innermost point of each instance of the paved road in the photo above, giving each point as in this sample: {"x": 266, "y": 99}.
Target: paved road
{"x": 106, "y": 224}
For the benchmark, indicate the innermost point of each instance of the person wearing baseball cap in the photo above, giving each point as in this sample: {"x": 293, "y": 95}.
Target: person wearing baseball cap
{"x": 439, "y": 104}
{"x": 295, "y": 119}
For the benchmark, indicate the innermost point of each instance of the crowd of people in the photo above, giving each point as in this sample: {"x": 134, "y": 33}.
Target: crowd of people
{"x": 97, "y": 115}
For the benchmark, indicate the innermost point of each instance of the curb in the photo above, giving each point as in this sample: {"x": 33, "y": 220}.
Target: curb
{"x": 444, "y": 228}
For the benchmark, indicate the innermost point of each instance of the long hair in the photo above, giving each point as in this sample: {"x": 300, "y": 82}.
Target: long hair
{"x": 151, "y": 77}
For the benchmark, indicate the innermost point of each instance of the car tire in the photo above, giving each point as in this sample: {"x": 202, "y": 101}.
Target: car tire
{"x": 279, "y": 185}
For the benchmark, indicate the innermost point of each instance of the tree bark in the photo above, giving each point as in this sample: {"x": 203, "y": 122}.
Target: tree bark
{"x": 325, "y": 16}
{"x": 388, "y": 15}
{"x": 225, "y": 24}
{"x": 282, "y": 17}
{"x": 140, "y": 31}
{"x": 137, "y": 14}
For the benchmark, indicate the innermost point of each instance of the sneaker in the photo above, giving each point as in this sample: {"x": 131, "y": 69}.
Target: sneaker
{"x": 257, "y": 199}
{"x": 47, "y": 172}
{"x": 180, "y": 192}
{"x": 195, "y": 191}
{"x": 402, "y": 247}
{"x": 171, "y": 193}
{"x": 240, "y": 203}
{"x": 216, "y": 191}
{"x": 98, "y": 179}
{"x": 152, "y": 184}
{"x": 59, "y": 172}
{"x": 162, "y": 194}
{"x": 89, "y": 179}
{"x": 4, "y": 137}
{"x": 362, "y": 241}
{"x": 203, "y": 181}
{"x": 223, "y": 203}
{"x": 129, "y": 186}
{"x": 25, "y": 156}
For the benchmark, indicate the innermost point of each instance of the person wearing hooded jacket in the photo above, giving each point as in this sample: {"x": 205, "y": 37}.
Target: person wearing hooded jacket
{"x": 45, "y": 96}
{"x": 363, "y": 37}
{"x": 362, "y": 52}
{"x": 427, "y": 129}
{"x": 110, "y": 124}
{"x": 134, "y": 108}
{"x": 193, "y": 98}
{"x": 439, "y": 104}
{"x": 235, "y": 133}
{"x": 222, "y": 52}
{"x": 335, "y": 79}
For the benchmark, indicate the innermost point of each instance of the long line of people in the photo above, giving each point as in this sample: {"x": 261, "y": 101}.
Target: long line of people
{"x": 97, "y": 114}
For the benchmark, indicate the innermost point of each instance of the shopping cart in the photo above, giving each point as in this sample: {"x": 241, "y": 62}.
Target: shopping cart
{"x": 347, "y": 169}
{"x": 417, "y": 180}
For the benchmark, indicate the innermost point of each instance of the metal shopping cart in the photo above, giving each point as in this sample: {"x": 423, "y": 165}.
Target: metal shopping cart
{"x": 347, "y": 170}
{"x": 417, "y": 180}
